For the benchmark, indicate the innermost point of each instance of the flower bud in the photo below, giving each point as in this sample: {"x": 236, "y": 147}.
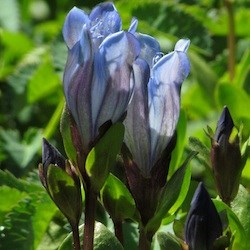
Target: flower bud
{"x": 203, "y": 224}
{"x": 226, "y": 158}
{"x": 60, "y": 180}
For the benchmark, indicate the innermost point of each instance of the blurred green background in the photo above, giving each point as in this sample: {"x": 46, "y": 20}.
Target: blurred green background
{"x": 32, "y": 59}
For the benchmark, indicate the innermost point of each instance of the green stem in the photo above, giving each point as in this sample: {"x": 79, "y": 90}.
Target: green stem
{"x": 144, "y": 242}
{"x": 230, "y": 38}
{"x": 76, "y": 238}
{"x": 118, "y": 231}
{"x": 89, "y": 225}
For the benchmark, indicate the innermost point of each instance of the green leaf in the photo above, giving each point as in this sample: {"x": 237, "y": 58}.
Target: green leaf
{"x": 65, "y": 193}
{"x": 116, "y": 197}
{"x": 44, "y": 81}
{"x": 204, "y": 74}
{"x": 10, "y": 197}
{"x": 179, "y": 148}
{"x": 103, "y": 239}
{"x": 12, "y": 53}
{"x": 54, "y": 120}
{"x": 235, "y": 98}
{"x": 8, "y": 179}
{"x": 22, "y": 152}
{"x": 243, "y": 70}
{"x": 65, "y": 130}
{"x": 173, "y": 194}
{"x": 198, "y": 146}
{"x": 240, "y": 206}
{"x": 168, "y": 241}
{"x": 17, "y": 230}
{"x": 239, "y": 234}
{"x": 103, "y": 156}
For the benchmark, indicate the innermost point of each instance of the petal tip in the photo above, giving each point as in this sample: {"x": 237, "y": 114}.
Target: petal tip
{"x": 182, "y": 45}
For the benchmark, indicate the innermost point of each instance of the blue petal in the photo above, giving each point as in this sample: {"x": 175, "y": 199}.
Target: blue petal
{"x": 182, "y": 45}
{"x": 149, "y": 48}
{"x": 164, "y": 98}
{"x": 105, "y": 20}
{"x": 137, "y": 133}
{"x": 133, "y": 25}
{"x": 73, "y": 25}
{"x": 77, "y": 84}
{"x": 112, "y": 88}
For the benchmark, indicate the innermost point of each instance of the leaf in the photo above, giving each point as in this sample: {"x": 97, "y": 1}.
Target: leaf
{"x": 168, "y": 241}
{"x": 8, "y": 179}
{"x": 179, "y": 148}
{"x": 235, "y": 98}
{"x": 116, "y": 197}
{"x": 173, "y": 194}
{"x": 43, "y": 82}
{"x": 240, "y": 239}
{"x": 241, "y": 206}
{"x": 10, "y": 197}
{"x": 65, "y": 193}
{"x": 103, "y": 156}
{"x": 17, "y": 231}
{"x": 198, "y": 146}
{"x": 65, "y": 130}
{"x": 21, "y": 151}
{"x": 54, "y": 120}
{"x": 103, "y": 239}
{"x": 243, "y": 70}
{"x": 204, "y": 75}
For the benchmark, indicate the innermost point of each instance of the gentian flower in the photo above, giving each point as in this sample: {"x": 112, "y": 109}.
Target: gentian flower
{"x": 226, "y": 158}
{"x": 97, "y": 75}
{"x": 203, "y": 224}
{"x": 151, "y": 120}
{"x": 154, "y": 110}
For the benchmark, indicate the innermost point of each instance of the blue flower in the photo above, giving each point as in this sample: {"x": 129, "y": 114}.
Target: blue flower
{"x": 203, "y": 224}
{"x": 153, "y": 113}
{"x": 97, "y": 75}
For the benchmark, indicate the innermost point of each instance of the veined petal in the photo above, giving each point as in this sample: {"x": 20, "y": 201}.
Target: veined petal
{"x": 105, "y": 20}
{"x": 73, "y": 25}
{"x": 149, "y": 48}
{"x": 77, "y": 84}
{"x": 137, "y": 132}
{"x": 164, "y": 98}
{"x": 111, "y": 87}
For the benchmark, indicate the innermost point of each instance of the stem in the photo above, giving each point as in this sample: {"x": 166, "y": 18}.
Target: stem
{"x": 118, "y": 231}
{"x": 144, "y": 243}
{"x": 230, "y": 38}
{"x": 76, "y": 238}
{"x": 89, "y": 226}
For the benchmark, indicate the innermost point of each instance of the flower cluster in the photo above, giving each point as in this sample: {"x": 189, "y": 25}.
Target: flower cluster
{"x": 114, "y": 76}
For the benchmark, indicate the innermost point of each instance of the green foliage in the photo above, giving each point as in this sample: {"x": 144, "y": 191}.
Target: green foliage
{"x": 25, "y": 212}
{"x": 103, "y": 155}
{"x": 172, "y": 195}
{"x": 116, "y": 197}
{"x": 103, "y": 239}
{"x": 65, "y": 192}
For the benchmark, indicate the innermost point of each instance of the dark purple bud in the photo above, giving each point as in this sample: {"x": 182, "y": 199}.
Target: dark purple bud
{"x": 226, "y": 158}
{"x": 203, "y": 224}
{"x": 60, "y": 179}
{"x": 50, "y": 155}
{"x": 224, "y": 127}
